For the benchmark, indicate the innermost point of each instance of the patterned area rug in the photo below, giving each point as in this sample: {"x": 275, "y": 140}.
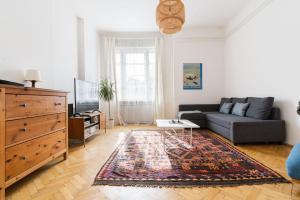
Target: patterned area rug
{"x": 145, "y": 158}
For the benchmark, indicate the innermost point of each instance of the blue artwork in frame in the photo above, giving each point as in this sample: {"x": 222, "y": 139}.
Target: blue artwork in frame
{"x": 192, "y": 76}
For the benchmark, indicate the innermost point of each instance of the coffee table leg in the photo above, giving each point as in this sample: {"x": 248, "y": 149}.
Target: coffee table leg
{"x": 174, "y": 131}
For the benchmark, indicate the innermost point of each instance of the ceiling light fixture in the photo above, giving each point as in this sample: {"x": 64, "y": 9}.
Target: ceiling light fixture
{"x": 170, "y": 16}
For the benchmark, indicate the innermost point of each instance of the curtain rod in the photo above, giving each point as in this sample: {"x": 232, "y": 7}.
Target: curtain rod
{"x": 135, "y": 38}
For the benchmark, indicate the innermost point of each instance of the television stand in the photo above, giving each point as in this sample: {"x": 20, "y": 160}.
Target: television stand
{"x": 85, "y": 126}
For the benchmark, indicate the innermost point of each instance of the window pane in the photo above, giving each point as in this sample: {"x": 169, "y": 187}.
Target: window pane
{"x": 118, "y": 58}
{"x": 151, "y": 57}
{"x": 151, "y": 72}
{"x": 135, "y": 58}
{"x": 118, "y": 78}
{"x": 135, "y": 70}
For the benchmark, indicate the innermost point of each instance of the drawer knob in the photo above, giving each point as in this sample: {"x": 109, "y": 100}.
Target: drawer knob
{"x": 23, "y": 157}
{"x": 23, "y": 129}
{"x": 57, "y": 104}
{"x": 24, "y": 105}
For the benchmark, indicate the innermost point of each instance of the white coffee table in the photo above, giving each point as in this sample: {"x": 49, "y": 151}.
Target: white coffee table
{"x": 165, "y": 125}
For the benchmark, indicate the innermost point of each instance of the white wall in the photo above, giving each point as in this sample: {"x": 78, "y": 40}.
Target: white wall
{"x": 91, "y": 52}
{"x": 43, "y": 35}
{"x": 262, "y": 59}
{"x": 64, "y": 42}
{"x": 88, "y": 51}
{"x": 26, "y": 40}
{"x": 199, "y": 46}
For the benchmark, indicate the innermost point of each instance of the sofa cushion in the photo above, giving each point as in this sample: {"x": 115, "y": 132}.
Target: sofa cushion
{"x": 260, "y": 108}
{"x": 226, "y": 120}
{"x": 225, "y": 100}
{"x": 240, "y": 109}
{"x": 275, "y": 114}
{"x": 226, "y": 108}
{"x": 235, "y": 100}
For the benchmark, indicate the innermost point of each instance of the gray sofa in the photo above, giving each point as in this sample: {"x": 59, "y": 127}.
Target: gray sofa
{"x": 239, "y": 129}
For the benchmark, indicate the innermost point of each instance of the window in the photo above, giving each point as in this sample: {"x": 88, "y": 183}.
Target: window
{"x": 135, "y": 74}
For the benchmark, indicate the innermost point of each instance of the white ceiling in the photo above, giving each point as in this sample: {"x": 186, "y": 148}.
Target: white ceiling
{"x": 139, "y": 15}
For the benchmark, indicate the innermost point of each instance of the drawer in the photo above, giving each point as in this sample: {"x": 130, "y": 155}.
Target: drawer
{"x": 32, "y": 105}
{"x": 22, "y": 157}
{"x": 24, "y": 129}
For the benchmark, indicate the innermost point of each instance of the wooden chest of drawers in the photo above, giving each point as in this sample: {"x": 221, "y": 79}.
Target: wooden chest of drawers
{"x": 33, "y": 131}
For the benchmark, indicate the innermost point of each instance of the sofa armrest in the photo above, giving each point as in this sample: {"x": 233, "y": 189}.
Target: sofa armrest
{"x": 258, "y": 131}
{"x": 200, "y": 107}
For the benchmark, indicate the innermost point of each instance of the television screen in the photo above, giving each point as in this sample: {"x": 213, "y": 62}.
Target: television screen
{"x": 86, "y": 96}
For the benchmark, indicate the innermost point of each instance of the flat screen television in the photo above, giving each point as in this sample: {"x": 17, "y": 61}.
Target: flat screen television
{"x": 86, "y": 96}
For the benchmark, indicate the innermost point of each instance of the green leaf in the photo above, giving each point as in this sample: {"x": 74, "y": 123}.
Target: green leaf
{"x": 106, "y": 90}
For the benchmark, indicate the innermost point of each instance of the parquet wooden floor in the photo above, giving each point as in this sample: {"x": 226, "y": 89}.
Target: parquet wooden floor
{"x": 73, "y": 179}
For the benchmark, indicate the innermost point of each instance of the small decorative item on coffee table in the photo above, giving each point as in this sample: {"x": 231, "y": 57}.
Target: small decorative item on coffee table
{"x": 169, "y": 124}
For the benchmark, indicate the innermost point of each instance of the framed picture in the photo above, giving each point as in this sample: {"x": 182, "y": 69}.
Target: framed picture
{"x": 192, "y": 76}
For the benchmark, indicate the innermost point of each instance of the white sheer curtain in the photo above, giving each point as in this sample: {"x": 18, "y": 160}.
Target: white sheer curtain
{"x": 134, "y": 65}
{"x": 159, "y": 103}
{"x": 110, "y": 74}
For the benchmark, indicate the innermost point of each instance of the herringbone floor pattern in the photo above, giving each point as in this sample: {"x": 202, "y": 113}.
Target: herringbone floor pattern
{"x": 73, "y": 179}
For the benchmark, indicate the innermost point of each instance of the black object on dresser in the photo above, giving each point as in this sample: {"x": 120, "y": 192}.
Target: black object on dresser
{"x": 5, "y": 82}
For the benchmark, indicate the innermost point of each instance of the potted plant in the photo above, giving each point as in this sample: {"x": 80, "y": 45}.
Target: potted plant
{"x": 106, "y": 93}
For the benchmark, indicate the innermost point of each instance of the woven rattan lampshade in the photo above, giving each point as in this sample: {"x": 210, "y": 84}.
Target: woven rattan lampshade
{"x": 170, "y": 16}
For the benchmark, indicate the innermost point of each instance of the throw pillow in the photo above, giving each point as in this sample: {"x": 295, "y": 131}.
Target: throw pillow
{"x": 226, "y": 108}
{"x": 240, "y": 109}
{"x": 260, "y": 108}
